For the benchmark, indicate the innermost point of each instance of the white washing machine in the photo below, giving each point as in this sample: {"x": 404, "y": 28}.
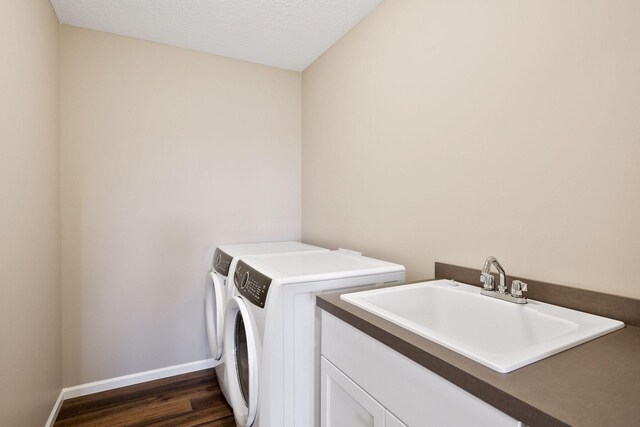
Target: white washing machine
{"x": 272, "y": 331}
{"x": 217, "y": 295}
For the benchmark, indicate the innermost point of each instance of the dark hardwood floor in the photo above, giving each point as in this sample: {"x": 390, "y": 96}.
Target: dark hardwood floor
{"x": 192, "y": 399}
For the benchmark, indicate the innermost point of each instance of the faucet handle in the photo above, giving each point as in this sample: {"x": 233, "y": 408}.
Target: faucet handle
{"x": 488, "y": 281}
{"x": 518, "y": 288}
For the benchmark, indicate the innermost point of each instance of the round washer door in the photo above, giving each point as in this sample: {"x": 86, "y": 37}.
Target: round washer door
{"x": 242, "y": 361}
{"x": 214, "y": 313}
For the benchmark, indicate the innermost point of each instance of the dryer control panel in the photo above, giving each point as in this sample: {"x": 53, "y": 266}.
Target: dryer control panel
{"x": 251, "y": 284}
{"x": 222, "y": 262}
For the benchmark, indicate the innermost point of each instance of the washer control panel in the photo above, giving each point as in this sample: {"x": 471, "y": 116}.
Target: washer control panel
{"x": 221, "y": 262}
{"x": 251, "y": 284}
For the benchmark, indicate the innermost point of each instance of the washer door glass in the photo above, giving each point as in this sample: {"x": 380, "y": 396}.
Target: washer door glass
{"x": 242, "y": 358}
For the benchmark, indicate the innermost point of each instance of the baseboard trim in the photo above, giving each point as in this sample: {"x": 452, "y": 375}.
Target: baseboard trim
{"x": 125, "y": 380}
{"x": 140, "y": 377}
{"x": 55, "y": 410}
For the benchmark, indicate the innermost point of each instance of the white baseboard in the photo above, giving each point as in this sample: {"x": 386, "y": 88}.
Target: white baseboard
{"x": 140, "y": 377}
{"x": 55, "y": 410}
{"x": 117, "y": 382}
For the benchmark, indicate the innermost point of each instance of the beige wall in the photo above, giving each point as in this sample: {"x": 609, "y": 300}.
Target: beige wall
{"x": 434, "y": 131}
{"x": 30, "y": 355}
{"x": 450, "y": 131}
{"x": 166, "y": 153}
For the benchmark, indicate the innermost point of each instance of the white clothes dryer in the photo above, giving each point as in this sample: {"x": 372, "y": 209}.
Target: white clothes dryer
{"x": 217, "y": 295}
{"x": 272, "y": 331}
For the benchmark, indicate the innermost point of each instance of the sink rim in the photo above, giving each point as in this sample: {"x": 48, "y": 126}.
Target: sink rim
{"x": 590, "y": 326}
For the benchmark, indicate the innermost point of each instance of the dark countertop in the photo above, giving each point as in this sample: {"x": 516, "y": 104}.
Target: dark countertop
{"x": 593, "y": 384}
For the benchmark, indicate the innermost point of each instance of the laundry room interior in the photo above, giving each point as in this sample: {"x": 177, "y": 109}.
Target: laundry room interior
{"x": 143, "y": 143}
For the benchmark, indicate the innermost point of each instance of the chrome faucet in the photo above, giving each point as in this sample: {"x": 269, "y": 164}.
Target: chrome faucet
{"x": 488, "y": 288}
{"x": 487, "y": 278}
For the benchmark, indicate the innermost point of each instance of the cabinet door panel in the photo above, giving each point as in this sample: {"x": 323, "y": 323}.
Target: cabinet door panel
{"x": 344, "y": 404}
{"x": 391, "y": 421}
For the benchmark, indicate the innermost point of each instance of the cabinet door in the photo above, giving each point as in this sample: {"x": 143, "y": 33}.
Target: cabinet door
{"x": 391, "y": 421}
{"x": 344, "y": 404}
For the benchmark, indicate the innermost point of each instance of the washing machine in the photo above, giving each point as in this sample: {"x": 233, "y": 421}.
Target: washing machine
{"x": 272, "y": 331}
{"x": 217, "y": 295}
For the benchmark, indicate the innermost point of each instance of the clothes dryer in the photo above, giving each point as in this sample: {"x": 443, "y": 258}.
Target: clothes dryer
{"x": 217, "y": 295}
{"x": 272, "y": 331}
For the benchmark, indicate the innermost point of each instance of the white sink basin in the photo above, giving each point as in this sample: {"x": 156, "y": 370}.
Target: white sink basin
{"x": 499, "y": 334}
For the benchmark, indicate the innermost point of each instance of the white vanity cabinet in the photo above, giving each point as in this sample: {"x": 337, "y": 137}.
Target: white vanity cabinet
{"x": 365, "y": 383}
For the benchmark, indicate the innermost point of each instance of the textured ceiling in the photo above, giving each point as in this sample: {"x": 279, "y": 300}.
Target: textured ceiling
{"x": 288, "y": 34}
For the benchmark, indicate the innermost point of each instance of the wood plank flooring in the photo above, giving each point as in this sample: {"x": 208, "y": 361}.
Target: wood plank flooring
{"x": 192, "y": 399}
